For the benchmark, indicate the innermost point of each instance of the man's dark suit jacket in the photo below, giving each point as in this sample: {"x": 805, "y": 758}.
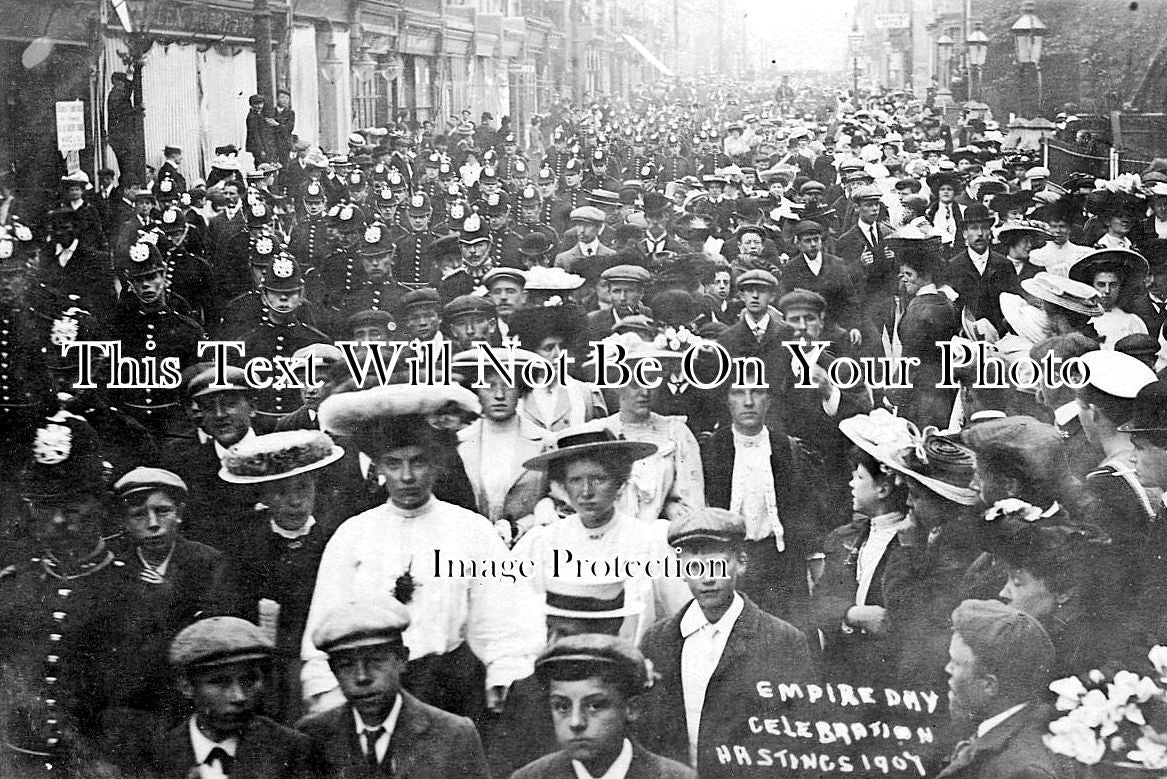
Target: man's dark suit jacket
{"x": 645, "y": 765}
{"x": 794, "y": 491}
{"x": 267, "y": 750}
{"x": 833, "y": 282}
{"x": 878, "y": 277}
{"x": 1012, "y": 750}
{"x": 980, "y": 295}
{"x": 213, "y": 507}
{"x": 598, "y": 326}
{"x": 760, "y": 646}
{"x": 739, "y": 341}
{"x": 426, "y": 742}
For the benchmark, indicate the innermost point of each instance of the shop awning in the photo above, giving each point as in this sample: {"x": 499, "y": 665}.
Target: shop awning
{"x": 648, "y": 55}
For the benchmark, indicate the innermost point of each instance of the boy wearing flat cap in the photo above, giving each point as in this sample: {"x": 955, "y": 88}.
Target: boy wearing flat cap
{"x": 594, "y": 682}
{"x": 713, "y": 651}
{"x": 998, "y": 666}
{"x": 221, "y": 665}
{"x": 381, "y": 730}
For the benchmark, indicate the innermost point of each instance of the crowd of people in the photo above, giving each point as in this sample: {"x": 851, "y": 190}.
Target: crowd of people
{"x": 368, "y": 572}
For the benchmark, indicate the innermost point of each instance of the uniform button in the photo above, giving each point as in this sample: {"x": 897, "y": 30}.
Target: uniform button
{"x": 50, "y": 680}
{"x": 50, "y": 702}
{"x": 64, "y": 592}
{"x": 54, "y": 636}
{"x": 53, "y": 658}
{"x": 59, "y": 615}
{"x": 51, "y": 741}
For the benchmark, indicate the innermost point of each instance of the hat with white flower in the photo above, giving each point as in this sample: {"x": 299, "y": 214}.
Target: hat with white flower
{"x": 64, "y": 461}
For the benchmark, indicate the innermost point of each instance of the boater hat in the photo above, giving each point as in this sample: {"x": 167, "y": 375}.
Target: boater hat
{"x": 879, "y": 433}
{"x": 1066, "y": 293}
{"x": 598, "y": 598}
{"x": 278, "y": 456}
{"x": 590, "y": 439}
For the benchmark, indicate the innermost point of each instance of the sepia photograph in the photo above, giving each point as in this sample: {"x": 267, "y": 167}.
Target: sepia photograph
{"x": 583, "y": 389}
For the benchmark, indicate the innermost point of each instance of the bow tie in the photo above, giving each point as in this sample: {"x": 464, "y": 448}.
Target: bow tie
{"x": 750, "y": 443}
{"x": 223, "y": 758}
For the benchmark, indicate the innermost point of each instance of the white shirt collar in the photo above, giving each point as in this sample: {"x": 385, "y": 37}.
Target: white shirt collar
{"x": 292, "y": 535}
{"x": 815, "y": 263}
{"x": 592, "y": 248}
{"x": 202, "y": 745}
{"x": 739, "y": 437}
{"x": 1064, "y": 414}
{"x": 618, "y": 769}
{"x": 984, "y": 257}
{"x": 220, "y": 450}
{"x": 388, "y": 725}
{"x": 695, "y": 619}
{"x": 996, "y": 720}
{"x": 755, "y": 325}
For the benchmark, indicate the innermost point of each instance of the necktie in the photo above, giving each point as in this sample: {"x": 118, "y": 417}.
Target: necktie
{"x": 371, "y": 739}
{"x": 221, "y": 756}
{"x": 750, "y": 443}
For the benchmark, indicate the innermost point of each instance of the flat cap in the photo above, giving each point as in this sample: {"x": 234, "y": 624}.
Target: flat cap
{"x": 234, "y": 380}
{"x": 594, "y": 649}
{"x": 1033, "y": 448}
{"x": 587, "y": 214}
{"x": 867, "y": 192}
{"x": 143, "y": 478}
{"x": 1116, "y": 373}
{"x": 426, "y": 296}
{"x": 498, "y": 274}
{"x": 319, "y": 354}
{"x": 356, "y": 625}
{"x": 630, "y": 273}
{"x": 707, "y": 524}
{"x": 1003, "y": 637}
{"x": 467, "y": 305}
{"x": 801, "y": 299}
{"x": 757, "y": 277}
{"x": 812, "y": 186}
{"x": 369, "y": 317}
{"x": 219, "y": 641}
{"x": 807, "y": 227}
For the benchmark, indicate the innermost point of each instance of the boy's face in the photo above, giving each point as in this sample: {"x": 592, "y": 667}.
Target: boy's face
{"x": 370, "y": 678}
{"x": 589, "y": 717}
{"x": 226, "y": 697}
{"x": 713, "y": 595}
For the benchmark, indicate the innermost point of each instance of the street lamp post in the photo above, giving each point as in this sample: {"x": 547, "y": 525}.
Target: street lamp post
{"x": 1028, "y": 32}
{"x": 856, "y": 40}
{"x": 978, "y": 51}
{"x": 944, "y": 47}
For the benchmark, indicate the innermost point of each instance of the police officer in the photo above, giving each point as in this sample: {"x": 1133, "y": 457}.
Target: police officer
{"x": 308, "y": 242}
{"x": 188, "y": 274}
{"x": 378, "y": 290}
{"x": 474, "y": 243}
{"x": 279, "y": 336}
{"x": 414, "y": 262}
{"x": 149, "y": 327}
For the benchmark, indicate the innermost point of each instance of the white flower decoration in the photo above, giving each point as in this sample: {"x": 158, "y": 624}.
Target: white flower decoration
{"x": 64, "y": 331}
{"x": 264, "y": 245}
{"x": 150, "y": 238}
{"x": 373, "y": 234}
{"x": 554, "y": 300}
{"x": 139, "y": 252}
{"x": 23, "y": 233}
{"x": 53, "y": 444}
{"x": 1013, "y": 507}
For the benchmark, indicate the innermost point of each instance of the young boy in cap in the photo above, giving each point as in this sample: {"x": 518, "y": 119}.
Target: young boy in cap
{"x": 221, "y": 663}
{"x": 594, "y": 686}
{"x": 381, "y": 729}
{"x": 711, "y": 653}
